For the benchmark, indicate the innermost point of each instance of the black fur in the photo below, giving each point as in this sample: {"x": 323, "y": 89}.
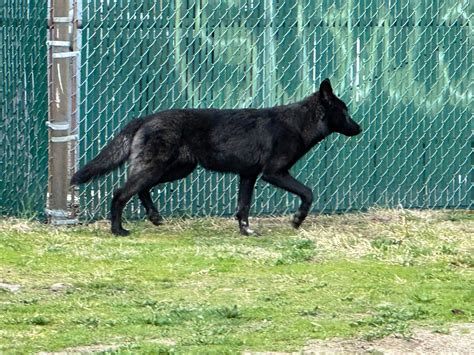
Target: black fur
{"x": 112, "y": 156}
{"x": 250, "y": 142}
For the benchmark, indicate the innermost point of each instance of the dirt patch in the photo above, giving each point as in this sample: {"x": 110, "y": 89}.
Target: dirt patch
{"x": 9, "y": 287}
{"x": 459, "y": 340}
{"x": 59, "y": 287}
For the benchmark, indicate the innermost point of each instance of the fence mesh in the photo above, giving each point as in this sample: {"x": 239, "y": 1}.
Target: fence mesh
{"x": 23, "y": 107}
{"x": 404, "y": 67}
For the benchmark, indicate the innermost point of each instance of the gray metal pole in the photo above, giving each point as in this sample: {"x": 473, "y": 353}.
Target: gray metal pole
{"x": 62, "y": 58}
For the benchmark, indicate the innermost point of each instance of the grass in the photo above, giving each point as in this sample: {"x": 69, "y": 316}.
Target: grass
{"x": 197, "y": 285}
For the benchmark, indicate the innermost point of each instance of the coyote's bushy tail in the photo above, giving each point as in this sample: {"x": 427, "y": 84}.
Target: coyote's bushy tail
{"x": 112, "y": 156}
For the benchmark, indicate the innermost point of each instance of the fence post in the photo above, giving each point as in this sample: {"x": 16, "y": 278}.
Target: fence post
{"x": 62, "y": 94}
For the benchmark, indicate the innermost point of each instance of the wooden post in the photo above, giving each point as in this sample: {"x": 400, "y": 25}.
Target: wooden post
{"x": 62, "y": 57}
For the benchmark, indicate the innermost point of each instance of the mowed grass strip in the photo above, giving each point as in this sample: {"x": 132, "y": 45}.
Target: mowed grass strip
{"x": 197, "y": 285}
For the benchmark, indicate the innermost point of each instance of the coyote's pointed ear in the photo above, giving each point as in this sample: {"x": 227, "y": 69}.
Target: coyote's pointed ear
{"x": 326, "y": 89}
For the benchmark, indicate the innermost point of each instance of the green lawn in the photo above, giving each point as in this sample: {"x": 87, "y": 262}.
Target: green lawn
{"x": 197, "y": 285}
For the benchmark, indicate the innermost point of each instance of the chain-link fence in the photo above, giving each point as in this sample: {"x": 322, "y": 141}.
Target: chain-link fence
{"x": 404, "y": 67}
{"x": 23, "y": 107}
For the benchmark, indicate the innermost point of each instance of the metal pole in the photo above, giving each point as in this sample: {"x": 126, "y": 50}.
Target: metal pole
{"x": 62, "y": 57}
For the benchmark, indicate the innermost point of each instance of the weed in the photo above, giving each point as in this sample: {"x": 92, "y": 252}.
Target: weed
{"x": 88, "y": 321}
{"x": 448, "y": 249}
{"x": 388, "y": 320}
{"x": 297, "y": 251}
{"x": 178, "y": 315}
{"x": 227, "y": 312}
{"x": 463, "y": 261}
{"x": 385, "y": 243}
{"x": 417, "y": 251}
{"x": 158, "y": 320}
{"x": 423, "y": 298}
{"x": 458, "y": 216}
{"x": 39, "y": 320}
{"x": 29, "y": 301}
{"x": 441, "y": 330}
{"x": 310, "y": 312}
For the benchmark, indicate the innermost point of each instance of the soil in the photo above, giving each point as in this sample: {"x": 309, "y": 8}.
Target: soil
{"x": 459, "y": 340}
